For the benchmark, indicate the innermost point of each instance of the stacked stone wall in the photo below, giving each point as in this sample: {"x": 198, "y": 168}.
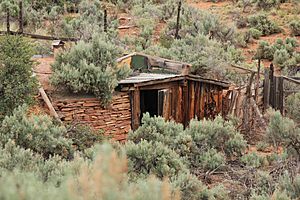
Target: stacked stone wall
{"x": 115, "y": 119}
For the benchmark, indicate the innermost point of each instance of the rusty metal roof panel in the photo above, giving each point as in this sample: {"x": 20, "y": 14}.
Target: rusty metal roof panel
{"x": 144, "y": 77}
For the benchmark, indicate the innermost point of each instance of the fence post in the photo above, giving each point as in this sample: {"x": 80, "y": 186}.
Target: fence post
{"x": 266, "y": 88}
{"x": 7, "y": 20}
{"x": 21, "y": 16}
{"x": 281, "y": 95}
{"x": 257, "y": 81}
{"x": 178, "y": 20}
{"x": 105, "y": 20}
{"x": 276, "y": 93}
{"x": 272, "y": 93}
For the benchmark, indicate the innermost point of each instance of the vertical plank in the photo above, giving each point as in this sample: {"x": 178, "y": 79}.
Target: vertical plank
{"x": 136, "y": 111}
{"x": 272, "y": 91}
{"x": 266, "y": 88}
{"x": 174, "y": 104}
{"x": 191, "y": 100}
{"x": 219, "y": 105}
{"x": 257, "y": 81}
{"x": 166, "y": 104}
{"x": 202, "y": 100}
{"x": 179, "y": 105}
{"x": 280, "y": 98}
{"x": 275, "y": 94}
{"x": 197, "y": 100}
{"x": 185, "y": 103}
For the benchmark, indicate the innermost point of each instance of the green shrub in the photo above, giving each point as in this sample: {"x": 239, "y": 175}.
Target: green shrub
{"x": 283, "y": 131}
{"x": 17, "y": 85}
{"x": 264, "y": 51}
{"x": 190, "y": 186}
{"x": 255, "y": 196}
{"x": 267, "y": 4}
{"x": 14, "y": 157}
{"x": 89, "y": 22}
{"x": 295, "y": 27}
{"x": 211, "y": 160}
{"x": 37, "y": 133}
{"x": 218, "y": 134}
{"x": 264, "y": 183}
{"x": 194, "y": 21}
{"x": 144, "y": 38}
{"x": 262, "y": 146}
{"x": 254, "y": 33}
{"x": 146, "y": 158}
{"x": 83, "y": 136}
{"x": 89, "y": 68}
{"x": 293, "y": 106}
{"x": 253, "y": 160}
{"x": 193, "y": 189}
{"x": 263, "y": 24}
{"x": 283, "y": 53}
{"x": 206, "y": 56}
{"x": 281, "y": 57}
{"x": 157, "y": 129}
{"x": 290, "y": 185}
{"x": 103, "y": 178}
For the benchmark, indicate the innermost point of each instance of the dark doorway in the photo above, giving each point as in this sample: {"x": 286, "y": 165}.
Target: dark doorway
{"x": 149, "y": 102}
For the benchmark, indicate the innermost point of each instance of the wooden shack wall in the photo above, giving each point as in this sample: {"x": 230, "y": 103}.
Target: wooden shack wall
{"x": 204, "y": 100}
{"x": 115, "y": 120}
{"x": 183, "y": 100}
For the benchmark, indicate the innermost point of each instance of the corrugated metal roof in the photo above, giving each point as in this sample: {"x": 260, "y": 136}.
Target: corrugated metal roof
{"x": 144, "y": 77}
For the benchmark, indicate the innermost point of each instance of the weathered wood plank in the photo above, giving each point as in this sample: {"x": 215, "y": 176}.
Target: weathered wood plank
{"x": 191, "y": 100}
{"x": 280, "y": 95}
{"x": 266, "y": 88}
{"x": 202, "y": 100}
{"x": 197, "y": 100}
{"x": 136, "y": 110}
{"x": 179, "y": 105}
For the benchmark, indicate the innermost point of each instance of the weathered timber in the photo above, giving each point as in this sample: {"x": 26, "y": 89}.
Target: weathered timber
{"x": 49, "y": 104}
{"x": 41, "y": 37}
{"x": 266, "y": 89}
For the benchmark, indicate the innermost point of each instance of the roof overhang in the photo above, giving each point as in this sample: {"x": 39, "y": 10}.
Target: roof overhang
{"x": 145, "y": 79}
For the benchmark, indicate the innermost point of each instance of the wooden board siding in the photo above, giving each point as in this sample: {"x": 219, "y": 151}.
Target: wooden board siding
{"x": 115, "y": 120}
{"x": 204, "y": 100}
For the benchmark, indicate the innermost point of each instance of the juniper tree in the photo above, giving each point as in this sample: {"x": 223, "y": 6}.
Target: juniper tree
{"x": 17, "y": 83}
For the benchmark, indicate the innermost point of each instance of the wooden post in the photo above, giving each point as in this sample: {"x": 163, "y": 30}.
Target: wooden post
{"x": 21, "y": 27}
{"x": 185, "y": 103}
{"x": 191, "y": 100}
{"x": 275, "y": 93}
{"x": 281, "y": 96}
{"x": 271, "y": 85}
{"x": 257, "y": 81}
{"x": 267, "y": 89}
{"x": 105, "y": 20}
{"x": 246, "y": 105}
{"x": 178, "y": 20}
{"x": 48, "y": 103}
{"x": 136, "y": 109}
{"x": 7, "y": 21}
